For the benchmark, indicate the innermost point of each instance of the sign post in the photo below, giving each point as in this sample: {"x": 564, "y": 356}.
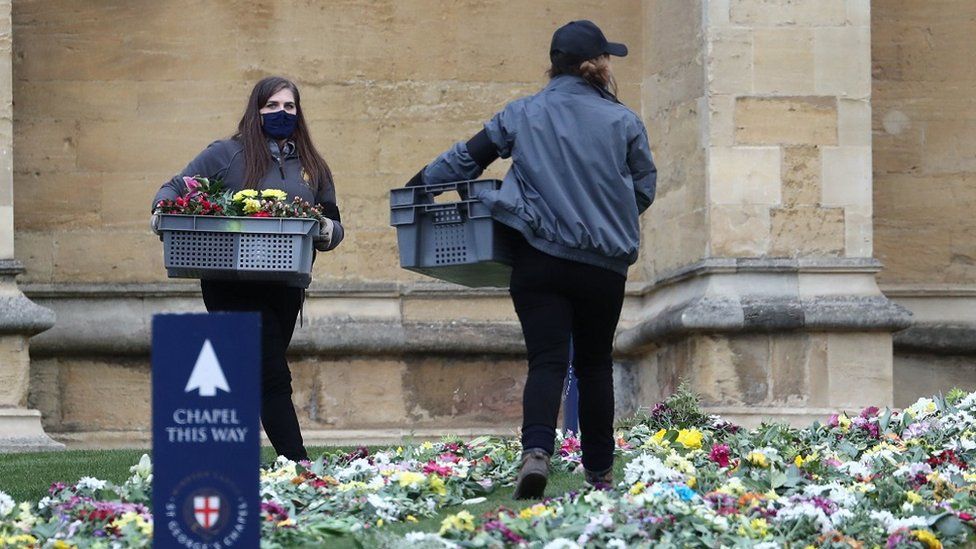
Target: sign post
{"x": 206, "y": 445}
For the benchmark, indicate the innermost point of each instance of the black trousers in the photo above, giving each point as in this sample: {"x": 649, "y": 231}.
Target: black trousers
{"x": 555, "y": 298}
{"x": 279, "y": 306}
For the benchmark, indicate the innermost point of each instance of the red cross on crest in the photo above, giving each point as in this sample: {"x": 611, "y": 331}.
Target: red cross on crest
{"x": 206, "y": 509}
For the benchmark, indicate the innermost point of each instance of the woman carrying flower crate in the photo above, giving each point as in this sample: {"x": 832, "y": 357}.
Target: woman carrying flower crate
{"x": 270, "y": 155}
{"x": 581, "y": 175}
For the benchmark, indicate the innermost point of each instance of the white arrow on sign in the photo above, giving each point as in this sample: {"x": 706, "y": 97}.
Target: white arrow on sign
{"x": 207, "y": 375}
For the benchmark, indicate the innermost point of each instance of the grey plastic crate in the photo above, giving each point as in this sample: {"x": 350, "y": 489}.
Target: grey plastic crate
{"x": 266, "y": 249}
{"x": 453, "y": 241}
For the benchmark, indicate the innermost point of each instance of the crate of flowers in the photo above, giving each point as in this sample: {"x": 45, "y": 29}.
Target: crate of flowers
{"x": 456, "y": 241}
{"x": 213, "y": 233}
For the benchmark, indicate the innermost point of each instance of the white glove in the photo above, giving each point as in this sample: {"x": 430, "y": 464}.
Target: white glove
{"x": 154, "y": 222}
{"x": 324, "y": 238}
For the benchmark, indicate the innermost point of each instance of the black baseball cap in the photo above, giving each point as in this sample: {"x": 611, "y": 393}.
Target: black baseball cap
{"x": 582, "y": 40}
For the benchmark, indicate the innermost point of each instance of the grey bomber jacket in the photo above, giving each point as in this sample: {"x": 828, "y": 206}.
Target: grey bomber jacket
{"x": 224, "y": 160}
{"x": 581, "y": 173}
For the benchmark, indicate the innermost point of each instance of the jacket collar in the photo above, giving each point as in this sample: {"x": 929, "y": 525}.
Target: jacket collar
{"x": 287, "y": 151}
{"x": 569, "y": 83}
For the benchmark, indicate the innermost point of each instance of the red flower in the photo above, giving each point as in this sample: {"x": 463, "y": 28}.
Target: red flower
{"x": 260, "y": 214}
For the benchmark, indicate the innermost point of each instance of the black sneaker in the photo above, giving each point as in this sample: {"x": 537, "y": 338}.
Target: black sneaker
{"x": 533, "y": 474}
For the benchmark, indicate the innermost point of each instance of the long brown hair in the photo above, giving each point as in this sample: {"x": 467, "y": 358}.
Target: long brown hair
{"x": 596, "y": 71}
{"x": 257, "y": 157}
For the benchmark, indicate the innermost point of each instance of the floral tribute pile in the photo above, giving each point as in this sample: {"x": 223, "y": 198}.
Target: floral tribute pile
{"x": 882, "y": 478}
{"x": 208, "y": 197}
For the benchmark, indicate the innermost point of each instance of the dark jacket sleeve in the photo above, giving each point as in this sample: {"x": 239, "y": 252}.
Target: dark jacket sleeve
{"x": 212, "y": 162}
{"x": 642, "y": 170}
{"x": 326, "y": 199}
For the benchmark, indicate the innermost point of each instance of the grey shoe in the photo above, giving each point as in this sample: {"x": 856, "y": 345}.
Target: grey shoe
{"x": 533, "y": 474}
{"x": 601, "y": 480}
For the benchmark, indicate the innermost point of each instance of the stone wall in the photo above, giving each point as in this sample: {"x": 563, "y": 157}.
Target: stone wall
{"x": 924, "y": 170}
{"x": 925, "y": 141}
{"x": 107, "y": 112}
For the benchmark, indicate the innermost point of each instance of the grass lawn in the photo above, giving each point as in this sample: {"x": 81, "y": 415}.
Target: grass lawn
{"x": 26, "y": 477}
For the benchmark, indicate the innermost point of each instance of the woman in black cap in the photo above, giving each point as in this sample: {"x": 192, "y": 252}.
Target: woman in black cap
{"x": 581, "y": 175}
{"x": 272, "y": 149}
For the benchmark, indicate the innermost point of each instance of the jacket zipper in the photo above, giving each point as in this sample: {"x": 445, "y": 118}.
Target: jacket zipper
{"x": 281, "y": 168}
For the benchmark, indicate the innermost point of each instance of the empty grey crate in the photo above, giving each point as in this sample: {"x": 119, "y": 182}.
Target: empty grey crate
{"x": 453, "y": 241}
{"x": 266, "y": 249}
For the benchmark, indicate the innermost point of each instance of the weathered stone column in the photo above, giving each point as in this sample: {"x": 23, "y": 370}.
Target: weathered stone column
{"x": 20, "y": 428}
{"x": 760, "y": 245}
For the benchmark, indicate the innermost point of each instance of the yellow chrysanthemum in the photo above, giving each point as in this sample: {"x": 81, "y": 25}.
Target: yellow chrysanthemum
{"x": 537, "y": 510}
{"x": 274, "y": 193}
{"x": 14, "y": 541}
{"x": 437, "y": 485}
{"x": 409, "y": 478}
{"x": 690, "y": 438}
{"x": 251, "y": 205}
{"x": 692, "y": 482}
{"x": 411, "y": 518}
{"x": 130, "y": 517}
{"x": 354, "y": 485}
{"x": 246, "y": 193}
{"x": 756, "y": 529}
{"x": 798, "y": 461}
{"x": 927, "y": 539}
{"x": 913, "y": 497}
{"x": 637, "y": 488}
{"x": 758, "y": 459}
{"x": 462, "y": 521}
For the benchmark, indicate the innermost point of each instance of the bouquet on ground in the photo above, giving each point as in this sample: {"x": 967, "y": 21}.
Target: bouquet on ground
{"x": 209, "y": 197}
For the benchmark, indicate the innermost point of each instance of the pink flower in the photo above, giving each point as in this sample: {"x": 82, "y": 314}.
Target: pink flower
{"x": 449, "y": 458}
{"x": 870, "y": 411}
{"x": 441, "y": 470}
{"x": 570, "y": 445}
{"x": 192, "y": 186}
{"x": 720, "y": 454}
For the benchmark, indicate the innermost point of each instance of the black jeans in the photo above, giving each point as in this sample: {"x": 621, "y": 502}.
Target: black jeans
{"x": 279, "y": 306}
{"x": 555, "y": 298}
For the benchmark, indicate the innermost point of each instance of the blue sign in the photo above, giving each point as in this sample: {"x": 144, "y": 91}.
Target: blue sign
{"x": 206, "y": 447}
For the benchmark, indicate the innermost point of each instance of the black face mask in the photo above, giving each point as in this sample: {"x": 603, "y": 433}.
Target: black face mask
{"x": 279, "y": 124}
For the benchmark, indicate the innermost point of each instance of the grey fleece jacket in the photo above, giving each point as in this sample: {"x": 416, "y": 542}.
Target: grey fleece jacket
{"x": 581, "y": 173}
{"x": 224, "y": 160}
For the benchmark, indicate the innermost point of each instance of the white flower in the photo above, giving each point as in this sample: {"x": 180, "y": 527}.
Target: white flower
{"x": 808, "y": 510}
{"x": 835, "y": 492}
{"x": 648, "y": 469}
{"x": 767, "y": 545}
{"x": 922, "y": 407}
{"x": 891, "y": 523}
{"x": 418, "y": 538}
{"x": 143, "y": 468}
{"x": 856, "y": 468}
{"x": 562, "y": 543}
{"x": 6, "y": 504}
{"x": 968, "y": 403}
{"x": 91, "y": 483}
{"x": 840, "y": 516}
